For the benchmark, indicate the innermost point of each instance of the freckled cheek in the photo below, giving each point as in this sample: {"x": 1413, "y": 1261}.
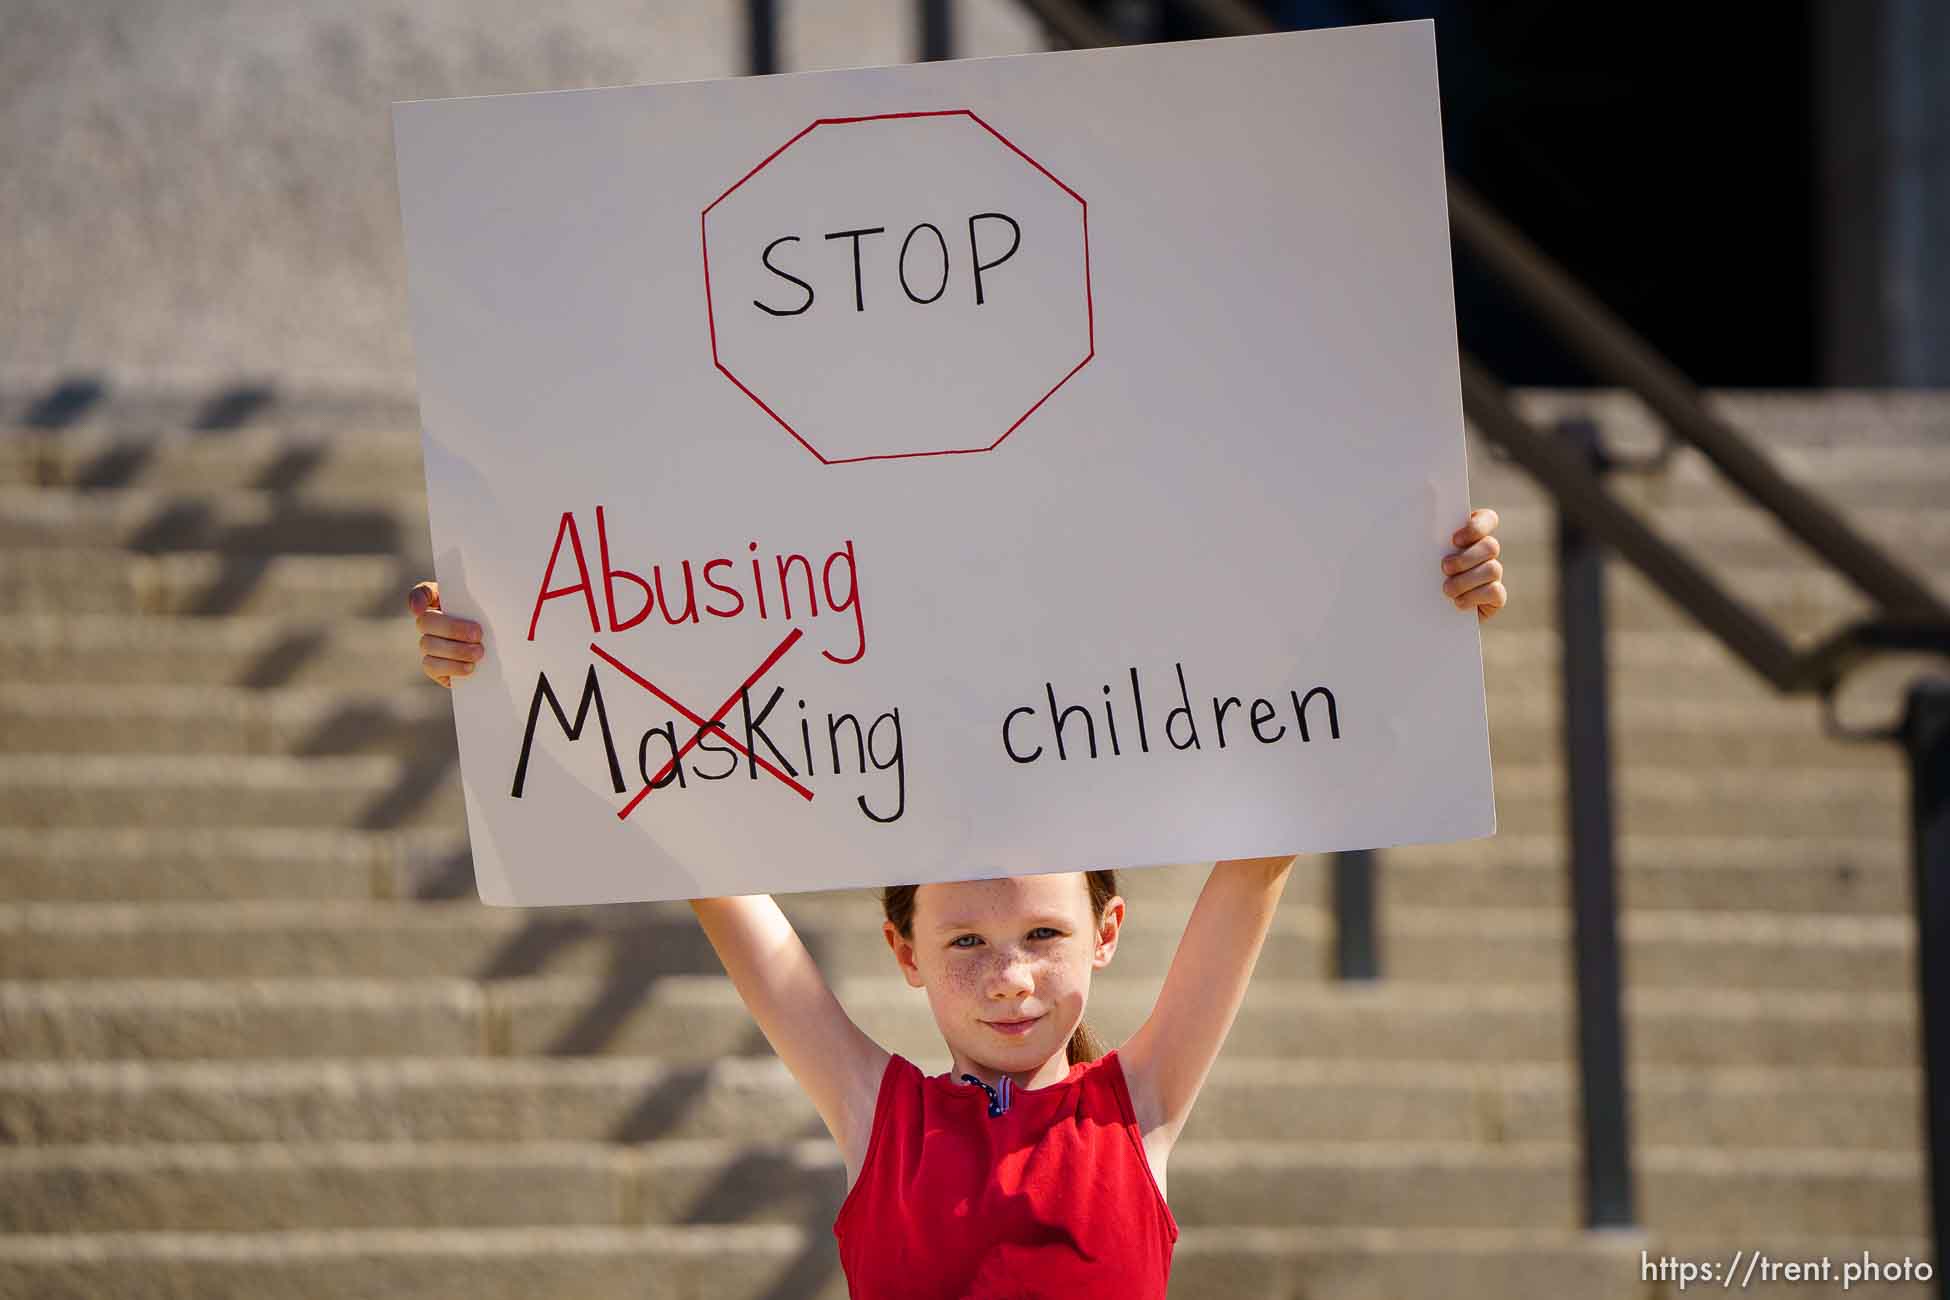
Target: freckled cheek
{"x": 965, "y": 978}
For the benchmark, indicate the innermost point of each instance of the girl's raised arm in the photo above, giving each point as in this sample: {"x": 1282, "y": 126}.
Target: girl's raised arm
{"x": 831, "y": 1057}
{"x": 1166, "y": 1060}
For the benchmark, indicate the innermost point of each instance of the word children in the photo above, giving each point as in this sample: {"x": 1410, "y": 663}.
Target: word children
{"x": 1029, "y": 734}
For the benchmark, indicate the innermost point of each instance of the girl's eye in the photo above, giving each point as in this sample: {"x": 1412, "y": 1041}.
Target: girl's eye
{"x": 1052, "y": 934}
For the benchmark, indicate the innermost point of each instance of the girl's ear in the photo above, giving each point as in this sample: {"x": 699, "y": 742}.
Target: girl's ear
{"x": 903, "y": 955}
{"x": 1107, "y": 930}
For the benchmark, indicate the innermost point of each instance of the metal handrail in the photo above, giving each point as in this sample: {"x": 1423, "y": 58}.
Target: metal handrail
{"x": 1584, "y": 497}
{"x": 1582, "y": 494}
{"x": 1610, "y": 348}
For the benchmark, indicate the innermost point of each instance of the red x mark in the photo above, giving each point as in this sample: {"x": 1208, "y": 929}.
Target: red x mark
{"x": 703, "y": 724}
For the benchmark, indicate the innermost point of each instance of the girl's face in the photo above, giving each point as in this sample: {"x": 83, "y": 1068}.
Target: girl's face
{"x": 1018, "y": 948}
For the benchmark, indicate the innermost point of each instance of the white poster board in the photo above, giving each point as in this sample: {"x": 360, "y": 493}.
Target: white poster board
{"x": 882, "y": 417}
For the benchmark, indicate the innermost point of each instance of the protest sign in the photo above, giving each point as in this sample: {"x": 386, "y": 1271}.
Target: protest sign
{"x": 968, "y": 469}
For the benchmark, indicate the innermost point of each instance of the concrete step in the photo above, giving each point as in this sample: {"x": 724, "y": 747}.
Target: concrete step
{"x": 386, "y": 519}
{"x": 699, "y": 1018}
{"x": 352, "y": 521}
{"x": 1715, "y": 533}
{"x": 755, "y": 1098}
{"x": 379, "y": 792}
{"x": 149, "y": 410}
{"x": 246, "y": 1020}
{"x": 284, "y": 939}
{"x": 1269, "y": 1183}
{"x": 76, "y": 863}
{"x": 1842, "y": 875}
{"x": 1875, "y": 1193}
{"x": 1846, "y": 477}
{"x": 755, "y": 1261}
{"x": 1838, "y": 875}
{"x": 299, "y": 650}
{"x": 369, "y": 792}
{"x": 201, "y": 583}
{"x": 1773, "y": 419}
{"x": 415, "y": 720}
{"x": 265, "y": 459}
{"x": 1805, "y": 601}
{"x": 208, "y": 720}
{"x": 1847, "y": 470}
{"x": 1671, "y": 672}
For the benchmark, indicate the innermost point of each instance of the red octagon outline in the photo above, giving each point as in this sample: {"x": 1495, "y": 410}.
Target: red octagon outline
{"x": 1090, "y": 306}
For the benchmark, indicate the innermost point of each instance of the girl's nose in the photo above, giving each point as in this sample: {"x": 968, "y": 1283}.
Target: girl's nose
{"x": 1013, "y": 972}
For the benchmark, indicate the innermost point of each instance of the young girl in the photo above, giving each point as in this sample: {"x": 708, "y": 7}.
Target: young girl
{"x": 1036, "y": 1165}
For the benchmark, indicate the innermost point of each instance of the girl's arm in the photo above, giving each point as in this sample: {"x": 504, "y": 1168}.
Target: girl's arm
{"x": 833, "y": 1060}
{"x": 1167, "y": 1059}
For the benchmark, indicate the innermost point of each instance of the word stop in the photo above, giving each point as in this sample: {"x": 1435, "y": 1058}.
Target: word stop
{"x": 923, "y": 261}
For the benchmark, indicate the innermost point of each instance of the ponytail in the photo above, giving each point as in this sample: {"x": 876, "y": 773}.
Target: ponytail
{"x": 1085, "y": 1045}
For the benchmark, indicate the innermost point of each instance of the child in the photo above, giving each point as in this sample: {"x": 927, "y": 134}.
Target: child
{"x": 1036, "y": 1165}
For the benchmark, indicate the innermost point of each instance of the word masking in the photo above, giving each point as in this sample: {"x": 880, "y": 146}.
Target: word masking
{"x": 663, "y": 759}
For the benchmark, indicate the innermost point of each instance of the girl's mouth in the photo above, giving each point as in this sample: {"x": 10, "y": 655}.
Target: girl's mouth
{"x": 1016, "y": 1028}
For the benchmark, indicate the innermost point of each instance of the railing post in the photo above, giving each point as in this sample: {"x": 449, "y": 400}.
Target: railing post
{"x": 1609, "y": 1200}
{"x": 762, "y": 37}
{"x": 1926, "y": 740}
{"x": 1357, "y": 955}
{"x": 1138, "y": 20}
{"x": 937, "y": 29}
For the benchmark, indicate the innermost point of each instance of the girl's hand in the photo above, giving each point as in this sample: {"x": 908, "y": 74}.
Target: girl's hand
{"x": 449, "y": 647}
{"x": 1474, "y": 574}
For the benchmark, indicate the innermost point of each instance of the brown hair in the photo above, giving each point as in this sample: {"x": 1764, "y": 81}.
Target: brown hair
{"x": 898, "y": 902}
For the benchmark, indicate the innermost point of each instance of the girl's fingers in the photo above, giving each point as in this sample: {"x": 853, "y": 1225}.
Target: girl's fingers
{"x": 1456, "y": 561}
{"x": 1476, "y": 575}
{"x": 1470, "y": 579}
{"x": 442, "y": 635}
{"x": 443, "y": 670}
{"x": 423, "y": 597}
{"x": 1486, "y": 600}
{"x": 434, "y": 623}
{"x": 449, "y": 646}
{"x": 440, "y": 647}
{"x": 1480, "y": 524}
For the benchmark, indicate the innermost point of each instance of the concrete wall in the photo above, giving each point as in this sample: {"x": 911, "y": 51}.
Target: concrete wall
{"x": 198, "y": 191}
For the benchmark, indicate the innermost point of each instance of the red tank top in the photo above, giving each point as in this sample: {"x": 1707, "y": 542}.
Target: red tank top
{"x": 1051, "y": 1198}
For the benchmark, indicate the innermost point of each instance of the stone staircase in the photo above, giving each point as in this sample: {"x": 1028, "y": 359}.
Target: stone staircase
{"x": 258, "y": 1038}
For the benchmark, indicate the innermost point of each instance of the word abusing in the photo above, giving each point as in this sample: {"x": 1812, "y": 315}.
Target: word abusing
{"x": 785, "y": 577}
